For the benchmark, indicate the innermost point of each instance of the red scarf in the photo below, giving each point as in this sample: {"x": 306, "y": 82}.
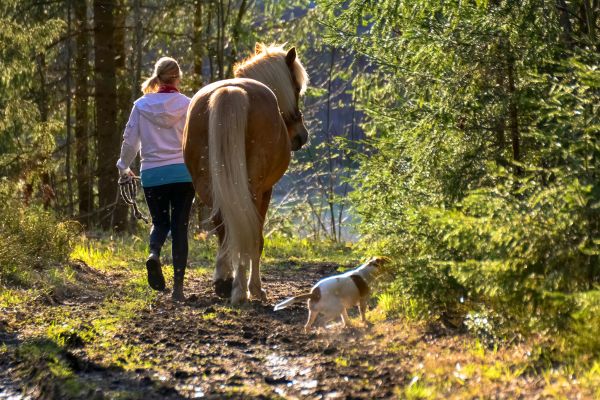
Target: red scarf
{"x": 167, "y": 89}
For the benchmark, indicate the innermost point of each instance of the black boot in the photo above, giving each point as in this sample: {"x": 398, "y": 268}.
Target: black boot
{"x": 178, "y": 284}
{"x": 156, "y": 280}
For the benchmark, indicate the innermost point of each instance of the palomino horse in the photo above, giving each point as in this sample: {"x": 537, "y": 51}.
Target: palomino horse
{"x": 237, "y": 143}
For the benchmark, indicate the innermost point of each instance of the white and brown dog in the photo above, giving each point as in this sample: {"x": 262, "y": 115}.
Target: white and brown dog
{"x": 332, "y": 296}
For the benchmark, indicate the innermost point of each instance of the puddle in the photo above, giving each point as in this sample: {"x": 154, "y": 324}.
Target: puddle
{"x": 297, "y": 377}
{"x": 9, "y": 392}
{"x": 198, "y": 393}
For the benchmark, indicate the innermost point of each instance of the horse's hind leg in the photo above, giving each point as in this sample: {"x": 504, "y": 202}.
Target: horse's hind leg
{"x": 255, "y": 285}
{"x": 239, "y": 291}
{"x": 223, "y": 277}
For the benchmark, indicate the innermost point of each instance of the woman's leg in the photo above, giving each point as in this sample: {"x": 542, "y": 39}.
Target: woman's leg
{"x": 182, "y": 197}
{"x": 157, "y": 198}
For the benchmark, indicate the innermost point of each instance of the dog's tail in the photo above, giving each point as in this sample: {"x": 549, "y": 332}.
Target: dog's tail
{"x": 293, "y": 300}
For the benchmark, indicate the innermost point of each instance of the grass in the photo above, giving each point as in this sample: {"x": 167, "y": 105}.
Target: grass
{"x": 449, "y": 367}
{"x": 341, "y": 361}
{"x": 280, "y": 248}
{"x": 50, "y": 336}
{"x": 47, "y": 363}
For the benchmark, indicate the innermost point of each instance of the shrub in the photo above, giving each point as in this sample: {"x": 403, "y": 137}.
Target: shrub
{"x": 31, "y": 239}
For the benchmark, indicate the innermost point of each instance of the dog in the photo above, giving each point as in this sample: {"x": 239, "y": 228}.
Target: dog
{"x": 332, "y": 296}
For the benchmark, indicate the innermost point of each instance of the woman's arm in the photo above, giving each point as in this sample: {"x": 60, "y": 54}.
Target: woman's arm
{"x": 131, "y": 142}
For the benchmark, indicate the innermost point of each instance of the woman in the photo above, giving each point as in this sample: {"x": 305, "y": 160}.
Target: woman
{"x": 155, "y": 128}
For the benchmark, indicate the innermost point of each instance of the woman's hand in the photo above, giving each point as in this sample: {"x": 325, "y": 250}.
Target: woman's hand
{"x": 126, "y": 176}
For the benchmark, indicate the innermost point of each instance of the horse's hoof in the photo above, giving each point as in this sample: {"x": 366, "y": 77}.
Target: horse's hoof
{"x": 223, "y": 287}
{"x": 238, "y": 296}
{"x": 261, "y": 295}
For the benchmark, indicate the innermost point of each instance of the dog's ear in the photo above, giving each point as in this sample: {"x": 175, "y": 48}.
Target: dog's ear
{"x": 379, "y": 261}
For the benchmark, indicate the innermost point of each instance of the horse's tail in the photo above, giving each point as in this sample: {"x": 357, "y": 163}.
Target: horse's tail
{"x": 231, "y": 197}
{"x": 293, "y": 300}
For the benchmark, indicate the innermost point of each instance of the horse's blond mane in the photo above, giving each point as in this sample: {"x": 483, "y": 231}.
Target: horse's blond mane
{"x": 269, "y": 67}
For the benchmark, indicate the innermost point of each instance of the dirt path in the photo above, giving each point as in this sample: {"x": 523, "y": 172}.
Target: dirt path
{"x": 212, "y": 350}
{"x": 206, "y": 349}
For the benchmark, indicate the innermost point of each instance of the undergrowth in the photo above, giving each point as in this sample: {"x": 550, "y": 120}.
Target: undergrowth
{"x": 48, "y": 364}
{"x": 32, "y": 243}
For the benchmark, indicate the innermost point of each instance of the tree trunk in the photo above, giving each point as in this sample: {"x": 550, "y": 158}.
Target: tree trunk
{"x": 198, "y": 45}
{"x": 68, "y": 114}
{"x": 565, "y": 22}
{"x": 48, "y": 194}
{"x": 139, "y": 34}
{"x": 220, "y": 38}
{"x": 330, "y": 190}
{"x": 513, "y": 113}
{"x": 210, "y": 49}
{"x": 235, "y": 37}
{"x": 84, "y": 189}
{"x": 112, "y": 215}
{"x": 123, "y": 94}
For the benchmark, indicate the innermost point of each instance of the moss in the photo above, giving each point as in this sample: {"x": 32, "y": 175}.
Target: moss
{"x": 51, "y": 370}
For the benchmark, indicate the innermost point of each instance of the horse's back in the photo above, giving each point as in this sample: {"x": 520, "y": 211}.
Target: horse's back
{"x": 259, "y": 94}
{"x": 267, "y": 143}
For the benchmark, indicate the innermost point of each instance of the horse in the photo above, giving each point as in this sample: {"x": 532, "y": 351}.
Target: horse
{"x": 237, "y": 144}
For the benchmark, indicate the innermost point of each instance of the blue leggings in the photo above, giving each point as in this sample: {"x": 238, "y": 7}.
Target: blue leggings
{"x": 170, "y": 207}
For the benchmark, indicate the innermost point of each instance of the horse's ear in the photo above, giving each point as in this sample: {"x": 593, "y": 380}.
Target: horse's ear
{"x": 259, "y": 48}
{"x": 290, "y": 57}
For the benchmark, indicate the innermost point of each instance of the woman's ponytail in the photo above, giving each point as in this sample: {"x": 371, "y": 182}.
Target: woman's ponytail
{"x": 151, "y": 85}
{"x": 166, "y": 71}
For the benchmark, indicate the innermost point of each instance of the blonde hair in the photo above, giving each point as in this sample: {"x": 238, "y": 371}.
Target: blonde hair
{"x": 166, "y": 71}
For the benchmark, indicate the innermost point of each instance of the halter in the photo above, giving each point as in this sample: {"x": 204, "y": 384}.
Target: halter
{"x": 128, "y": 188}
{"x": 293, "y": 118}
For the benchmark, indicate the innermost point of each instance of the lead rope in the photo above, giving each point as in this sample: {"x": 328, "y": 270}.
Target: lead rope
{"x": 128, "y": 188}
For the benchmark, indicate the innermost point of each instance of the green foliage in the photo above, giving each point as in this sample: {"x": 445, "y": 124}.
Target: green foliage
{"x": 281, "y": 248}
{"x": 583, "y": 334}
{"x": 482, "y": 171}
{"x": 27, "y": 127}
{"x": 31, "y": 240}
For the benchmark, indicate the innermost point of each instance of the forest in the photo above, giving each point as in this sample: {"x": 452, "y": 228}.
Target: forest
{"x": 459, "y": 140}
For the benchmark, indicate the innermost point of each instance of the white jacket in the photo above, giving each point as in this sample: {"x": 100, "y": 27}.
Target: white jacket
{"x": 155, "y": 128}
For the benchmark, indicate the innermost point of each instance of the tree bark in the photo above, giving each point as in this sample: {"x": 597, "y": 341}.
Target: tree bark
{"x": 68, "y": 113}
{"x": 108, "y": 137}
{"x": 513, "y": 112}
{"x": 123, "y": 98}
{"x": 198, "y": 45}
{"x": 221, "y": 22}
{"x": 565, "y": 22}
{"x": 138, "y": 38}
{"x": 235, "y": 36}
{"x": 209, "y": 48}
{"x": 84, "y": 187}
{"x": 330, "y": 189}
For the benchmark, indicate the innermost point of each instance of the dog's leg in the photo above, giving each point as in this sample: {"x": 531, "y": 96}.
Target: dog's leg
{"x": 312, "y": 316}
{"x": 362, "y": 307}
{"x": 345, "y": 318}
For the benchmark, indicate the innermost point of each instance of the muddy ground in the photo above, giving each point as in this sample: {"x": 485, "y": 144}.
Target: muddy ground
{"x": 206, "y": 349}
